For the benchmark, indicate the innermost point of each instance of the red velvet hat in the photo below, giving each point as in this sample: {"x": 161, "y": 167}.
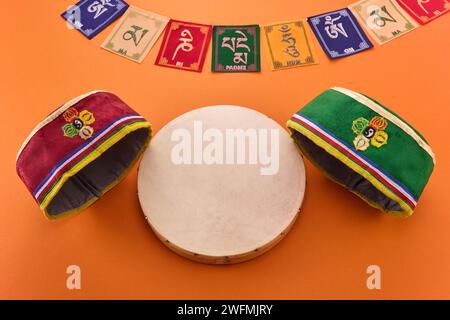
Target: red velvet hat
{"x": 80, "y": 151}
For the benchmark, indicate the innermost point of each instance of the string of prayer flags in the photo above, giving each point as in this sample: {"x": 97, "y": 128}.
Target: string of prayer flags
{"x": 289, "y": 45}
{"x": 236, "y": 49}
{"x": 92, "y": 16}
{"x": 184, "y": 45}
{"x": 425, "y": 11}
{"x": 135, "y": 34}
{"x": 339, "y": 34}
{"x": 383, "y": 19}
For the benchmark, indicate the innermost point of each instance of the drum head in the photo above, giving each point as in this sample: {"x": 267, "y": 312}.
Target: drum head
{"x": 221, "y": 184}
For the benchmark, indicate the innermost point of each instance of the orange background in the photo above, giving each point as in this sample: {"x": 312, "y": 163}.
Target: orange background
{"x": 336, "y": 236}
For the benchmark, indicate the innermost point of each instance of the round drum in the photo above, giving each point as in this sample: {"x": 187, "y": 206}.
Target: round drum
{"x": 221, "y": 184}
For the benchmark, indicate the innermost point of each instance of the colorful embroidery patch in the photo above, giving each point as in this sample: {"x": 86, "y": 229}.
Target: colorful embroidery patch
{"x": 369, "y": 133}
{"x": 184, "y": 46}
{"x": 425, "y": 10}
{"x": 92, "y": 16}
{"x": 289, "y": 45}
{"x": 339, "y": 33}
{"x": 384, "y": 19}
{"x": 78, "y": 123}
{"x": 135, "y": 34}
{"x": 236, "y": 49}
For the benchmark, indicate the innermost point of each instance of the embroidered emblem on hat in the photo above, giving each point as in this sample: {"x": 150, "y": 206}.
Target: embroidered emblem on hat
{"x": 369, "y": 133}
{"x": 78, "y": 123}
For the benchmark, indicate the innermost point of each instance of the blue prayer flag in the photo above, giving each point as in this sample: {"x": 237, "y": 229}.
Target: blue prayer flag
{"x": 92, "y": 16}
{"x": 339, "y": 33}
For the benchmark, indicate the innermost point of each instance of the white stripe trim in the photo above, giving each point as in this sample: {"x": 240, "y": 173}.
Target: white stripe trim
{"x": 405, "y": 193}
{"x": 83, "y": 149}
{"x": 383, "y": 112}
{"x": 52, "y": 117}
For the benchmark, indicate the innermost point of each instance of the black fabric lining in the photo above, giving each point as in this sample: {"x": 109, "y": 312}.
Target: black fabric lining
{"x": 344, "y": 175}
{"x": 92, "y": 180}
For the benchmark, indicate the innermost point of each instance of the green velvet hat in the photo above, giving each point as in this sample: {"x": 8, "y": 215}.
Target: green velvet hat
{"x": 364, "y": 147}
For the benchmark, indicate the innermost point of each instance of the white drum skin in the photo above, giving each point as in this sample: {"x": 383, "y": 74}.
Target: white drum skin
{"x": 221, "y": 210}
